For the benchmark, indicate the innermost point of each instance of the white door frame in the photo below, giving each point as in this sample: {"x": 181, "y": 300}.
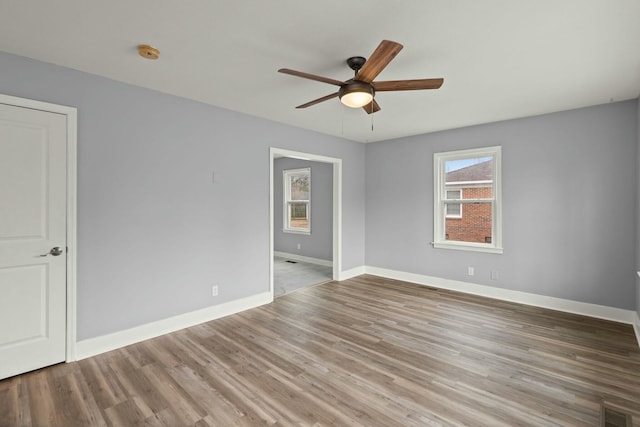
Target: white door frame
{"x": 337, "y": 206}
{"x": 72, "y": 154}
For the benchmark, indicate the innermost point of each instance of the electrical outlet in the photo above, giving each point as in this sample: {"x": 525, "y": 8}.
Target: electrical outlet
{"x": 299, "y": 246}
{"x": 214, "y": 291}
{"x": 494, "y": 275}
{"x": 470, "y": 271}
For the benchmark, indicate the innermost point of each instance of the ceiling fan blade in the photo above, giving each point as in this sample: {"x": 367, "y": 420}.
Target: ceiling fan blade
{"x": 317, "y": 101}
{"x": 310, "y": 76}
{"x": 372, "y": 107}
{"x": 380, "y": 58}
{"x": 418, "y": 84}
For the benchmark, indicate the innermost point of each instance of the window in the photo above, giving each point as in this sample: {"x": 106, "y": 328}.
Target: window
{"x": 297, "y": 200}
{"x": 467, "y": 200}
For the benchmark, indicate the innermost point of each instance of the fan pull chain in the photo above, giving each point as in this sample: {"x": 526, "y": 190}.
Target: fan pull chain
{"x": 372, "y": 101}
{"x": 371, "y": 119}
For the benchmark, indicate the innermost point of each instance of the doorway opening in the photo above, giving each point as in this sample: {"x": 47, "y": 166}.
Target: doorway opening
{"x": 301, "y": 261}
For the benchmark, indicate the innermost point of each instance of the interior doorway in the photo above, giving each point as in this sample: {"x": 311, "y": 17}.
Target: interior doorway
{"x": 37, "y": 234}
{"x": 333, "y": 266}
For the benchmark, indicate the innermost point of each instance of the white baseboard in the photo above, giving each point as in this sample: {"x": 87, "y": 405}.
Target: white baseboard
{"x": 569, "y": 306}
{"x": 348, "y": 274}
{"x": 94, "y": 346}
{"x": 295, "y": 257}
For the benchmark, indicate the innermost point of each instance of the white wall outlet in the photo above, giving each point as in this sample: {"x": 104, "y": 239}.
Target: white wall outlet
{"x": 494, "y": 275}
{"x": 470, "y": 271}
{"x": 299, "y": 246}
{"x": 214, "y": 291}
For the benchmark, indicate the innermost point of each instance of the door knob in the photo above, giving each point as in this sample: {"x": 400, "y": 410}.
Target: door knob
{"x": 55, "y": 251}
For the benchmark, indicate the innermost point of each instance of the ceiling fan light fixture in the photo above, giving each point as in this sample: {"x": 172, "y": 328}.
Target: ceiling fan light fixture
{"x": 356, "y": 94}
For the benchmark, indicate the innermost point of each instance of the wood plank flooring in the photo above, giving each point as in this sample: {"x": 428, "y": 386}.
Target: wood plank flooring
{"x": 363, "y": 352}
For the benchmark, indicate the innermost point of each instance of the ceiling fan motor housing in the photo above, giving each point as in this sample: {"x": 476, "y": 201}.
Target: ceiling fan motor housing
{"x": 356, "y": 86}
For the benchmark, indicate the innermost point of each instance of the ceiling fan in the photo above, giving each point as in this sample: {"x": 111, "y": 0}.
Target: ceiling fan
{"x": 360, "y": 90}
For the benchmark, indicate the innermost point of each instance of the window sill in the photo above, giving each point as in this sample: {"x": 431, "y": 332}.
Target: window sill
{"x": 304, "y": 232}
{"x": 459, "y": 246}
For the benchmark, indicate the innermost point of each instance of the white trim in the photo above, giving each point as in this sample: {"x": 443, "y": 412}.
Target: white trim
{"x": 275, "y": 153}
{"x": 467, "y": 246}
{"x": 94, "y": 346}
{"x": 569, "y": 306}
{"x": 271, "y": 219}
{"x": 72, "y": 228}
{"x": 636, "y": 327}
{"x": 302, "y": 258}
{"x": 465, "y": 183}
{"x": 72, "y": 175}
{"x": 337, "y": 218}
{"x": 294, "y": 231}
{"x": 354, "y": 272}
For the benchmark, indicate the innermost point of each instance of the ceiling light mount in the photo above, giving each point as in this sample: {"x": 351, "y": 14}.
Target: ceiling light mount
{"x": 148, "y": 52}
{"x": 356, "y": 62}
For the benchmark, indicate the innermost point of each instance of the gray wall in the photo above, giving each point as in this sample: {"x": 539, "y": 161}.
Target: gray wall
{"x": 319, "y": 244}
{"x": 154, "y": 232}
{"x": 569, "y": 193}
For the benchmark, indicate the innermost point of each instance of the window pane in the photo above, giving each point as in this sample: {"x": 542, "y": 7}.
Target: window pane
{"x": 476, "y": 176}
{"x": 475, "y": 226}
{"x": 298, "y": 214}
{"x": 469, "y": 170}
{"x": 453, "y": 209}
{"x": 453, "y": 194}
{"x": 300, "y": 187}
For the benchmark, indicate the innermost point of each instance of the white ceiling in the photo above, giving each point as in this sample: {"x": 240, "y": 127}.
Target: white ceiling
{"x": 500, "y": 59}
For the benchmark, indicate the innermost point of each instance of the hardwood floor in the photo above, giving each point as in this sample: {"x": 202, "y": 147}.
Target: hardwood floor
{"x": 363, "y": 352}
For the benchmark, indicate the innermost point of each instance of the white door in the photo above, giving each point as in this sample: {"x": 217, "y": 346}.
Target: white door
{"x": 33, "y": 221}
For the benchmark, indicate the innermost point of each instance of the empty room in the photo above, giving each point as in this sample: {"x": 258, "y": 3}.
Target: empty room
{"x": 367, "y": 213}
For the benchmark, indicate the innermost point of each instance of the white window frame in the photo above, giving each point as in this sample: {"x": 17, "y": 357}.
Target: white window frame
{"x": 286, "y": 197}
{"x": 439, "y": 191}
